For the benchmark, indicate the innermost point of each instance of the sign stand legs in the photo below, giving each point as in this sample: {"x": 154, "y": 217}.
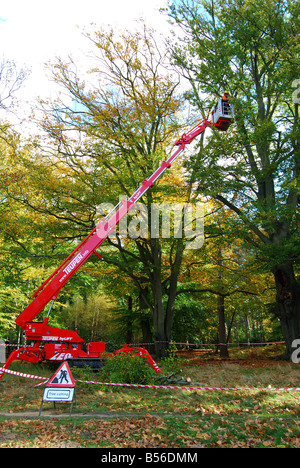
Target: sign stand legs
{"x": 59, "y": 401}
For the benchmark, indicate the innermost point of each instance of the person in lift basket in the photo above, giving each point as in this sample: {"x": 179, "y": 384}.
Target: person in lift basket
{"x": 225, "y": 103}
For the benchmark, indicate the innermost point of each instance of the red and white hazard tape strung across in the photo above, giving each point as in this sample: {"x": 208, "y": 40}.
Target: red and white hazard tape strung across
{"x": 14, "y": 345}
{"x": 165, "y": 387}
{"x": 20, "y": 374}
{"x": 198, "y": 345}
{"x": 201, "y": 345}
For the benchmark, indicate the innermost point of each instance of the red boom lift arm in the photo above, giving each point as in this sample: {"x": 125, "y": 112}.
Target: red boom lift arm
{"x": 59, "y": 344}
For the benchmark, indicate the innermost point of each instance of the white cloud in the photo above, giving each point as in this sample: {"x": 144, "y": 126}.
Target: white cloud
{"x": 33, "y": 32}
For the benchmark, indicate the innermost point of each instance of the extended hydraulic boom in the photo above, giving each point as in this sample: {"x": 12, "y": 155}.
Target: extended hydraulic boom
{"x": 55, "y": 344}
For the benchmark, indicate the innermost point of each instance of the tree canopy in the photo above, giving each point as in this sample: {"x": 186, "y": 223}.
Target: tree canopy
{"x": 253, "y": 169}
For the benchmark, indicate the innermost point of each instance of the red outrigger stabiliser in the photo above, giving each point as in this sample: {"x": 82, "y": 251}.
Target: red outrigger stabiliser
{"x": 55, "y": 344}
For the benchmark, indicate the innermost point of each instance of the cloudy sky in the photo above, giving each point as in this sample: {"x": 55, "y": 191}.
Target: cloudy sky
{"x": 33, "y": 32}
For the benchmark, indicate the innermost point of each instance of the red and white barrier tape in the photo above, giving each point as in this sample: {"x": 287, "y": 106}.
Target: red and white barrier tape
{"x": 14, "y": 345}
{"x": 198, "y": 345}
{"x": 169, "y": 387}
{"x": 165, "y": 387}
{"x": 20, "y": 374}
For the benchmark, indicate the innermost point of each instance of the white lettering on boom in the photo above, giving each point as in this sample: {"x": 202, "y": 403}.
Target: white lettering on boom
{"x": 73, "y": 264}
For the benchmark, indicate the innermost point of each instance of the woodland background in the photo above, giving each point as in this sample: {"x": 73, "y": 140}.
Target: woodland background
{"x": 110, "y": 127}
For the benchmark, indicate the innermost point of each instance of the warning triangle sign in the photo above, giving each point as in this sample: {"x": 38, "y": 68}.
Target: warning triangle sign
{"x": 62, "y": 377}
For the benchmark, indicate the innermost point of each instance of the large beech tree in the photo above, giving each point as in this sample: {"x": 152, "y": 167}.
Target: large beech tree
{"x": 253, "y": 49}
{"x": 112, "y": 127}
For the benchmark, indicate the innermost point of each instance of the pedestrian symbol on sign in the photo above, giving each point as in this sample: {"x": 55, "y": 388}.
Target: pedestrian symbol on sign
{"x": 62, "y": 377}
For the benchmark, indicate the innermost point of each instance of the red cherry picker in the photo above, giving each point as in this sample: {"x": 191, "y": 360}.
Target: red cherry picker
{"x": 55, "y": 344}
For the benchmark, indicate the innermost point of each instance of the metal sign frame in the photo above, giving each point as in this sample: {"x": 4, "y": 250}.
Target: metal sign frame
{"x": 60, "y": 388}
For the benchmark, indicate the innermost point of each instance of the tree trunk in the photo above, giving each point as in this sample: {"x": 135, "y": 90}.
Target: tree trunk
{"x": 161, "y": 340}
{"x": 221, "y": 309}
{"x": 288, "y": 304}
{"x": 146, "y": 329}
{"x": 145, "y": 320}
{"x": 222, "y": 328}
{"x": 163, "y": 309}
{"x": 129, "y": 324}
{"x": 172, "y": 293}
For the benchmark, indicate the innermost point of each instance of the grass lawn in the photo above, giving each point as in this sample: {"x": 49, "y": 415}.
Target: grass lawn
{"x": 108, "y": 417}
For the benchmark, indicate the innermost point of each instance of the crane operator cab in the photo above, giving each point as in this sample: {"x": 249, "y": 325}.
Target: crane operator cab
{"x": 221, "y": 115}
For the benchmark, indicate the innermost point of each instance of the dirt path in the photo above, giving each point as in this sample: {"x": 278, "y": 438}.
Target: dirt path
{"x": 56, "y": 415}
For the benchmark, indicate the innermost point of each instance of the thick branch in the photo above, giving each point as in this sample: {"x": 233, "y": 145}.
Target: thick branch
{"x": 239, "y": 212}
